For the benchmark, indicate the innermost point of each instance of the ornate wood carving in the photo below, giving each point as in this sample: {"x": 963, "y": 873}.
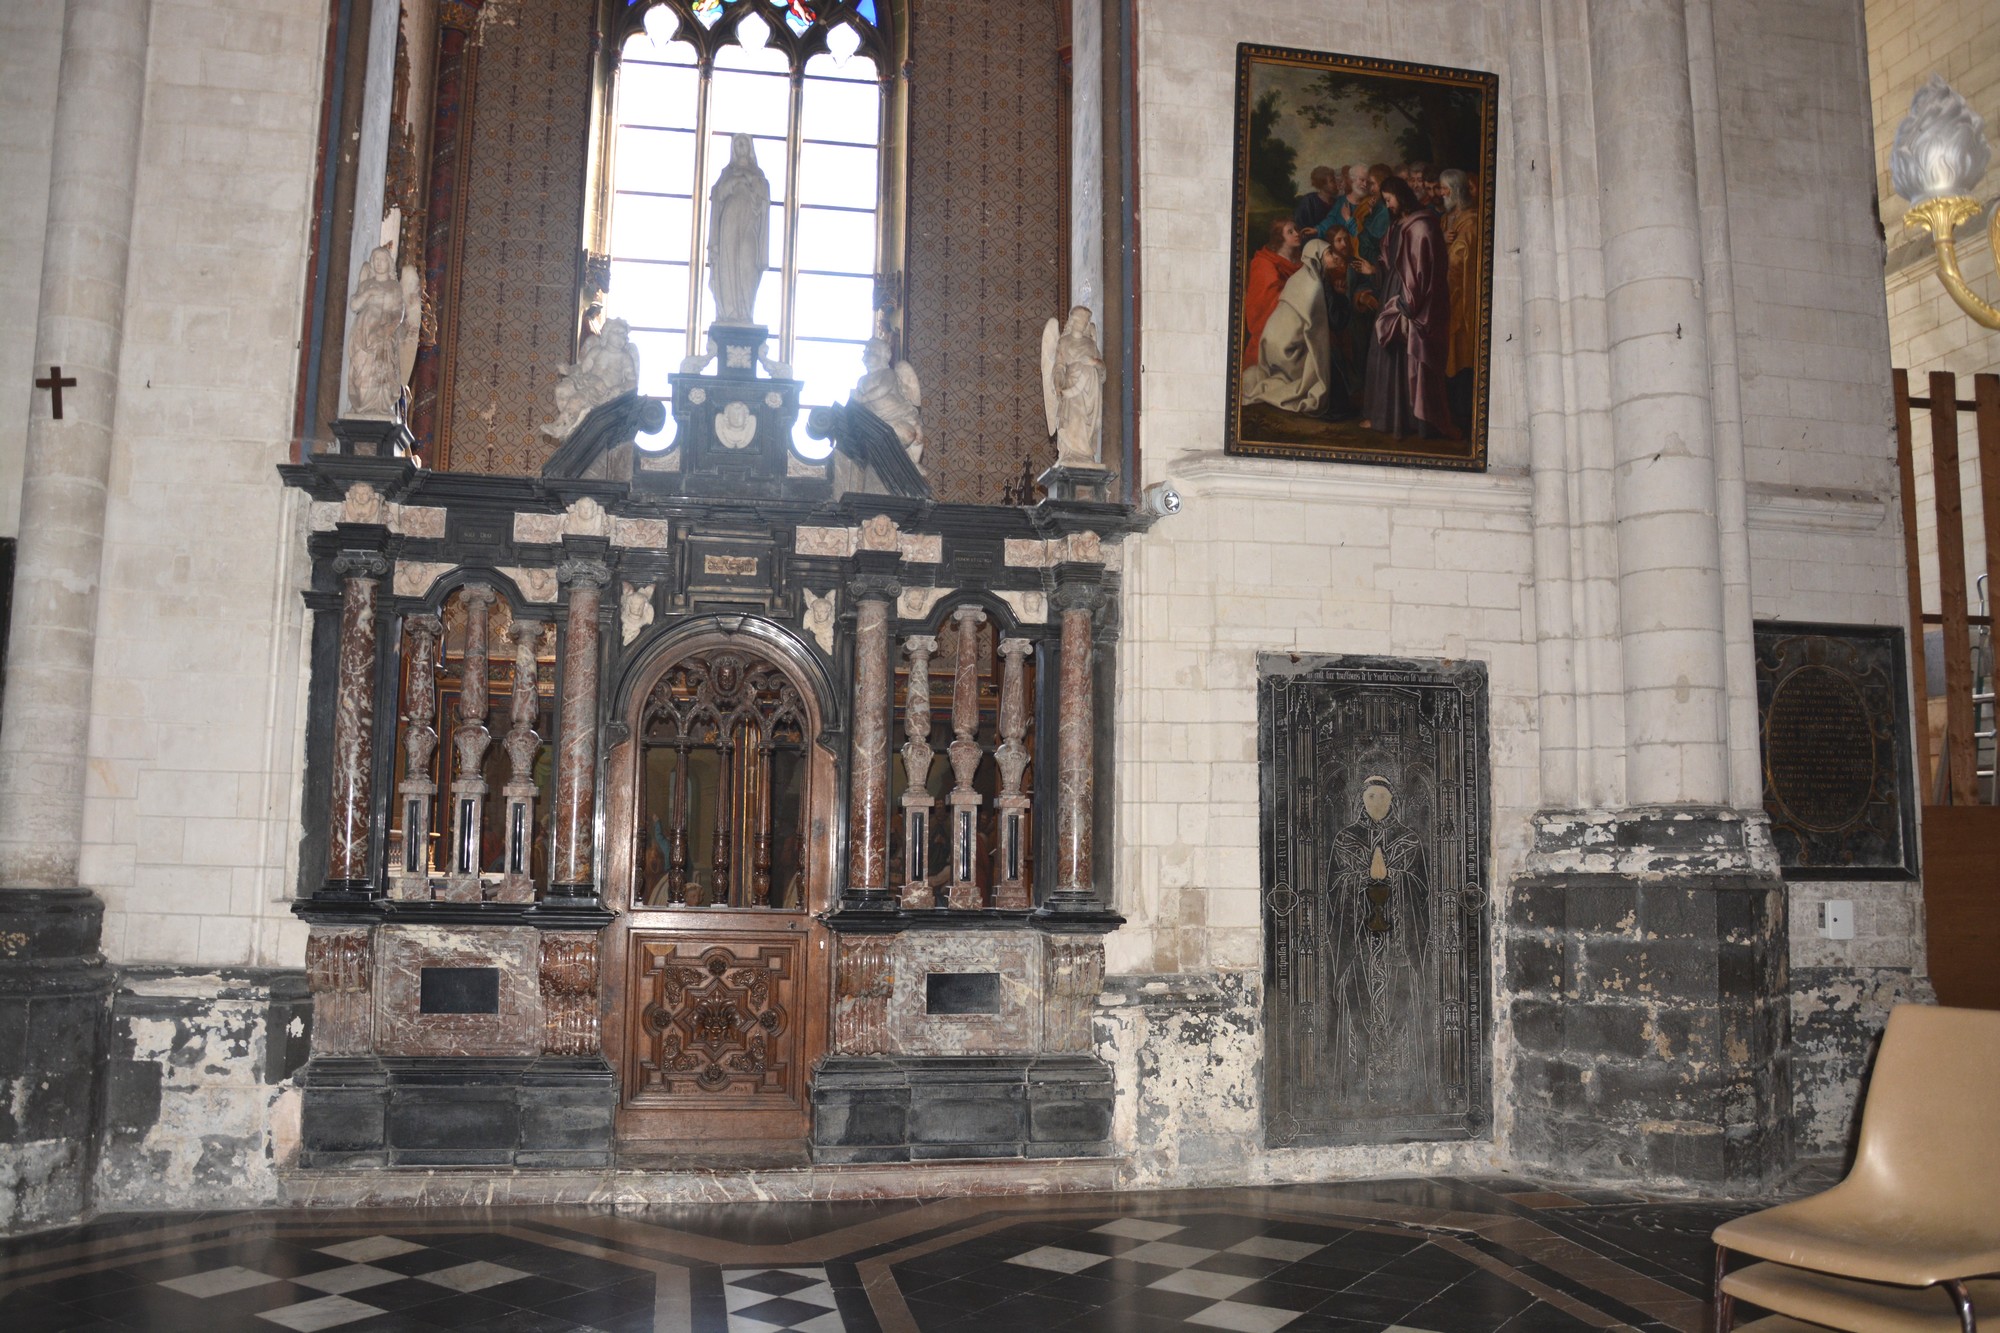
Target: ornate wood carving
{"x": 745, "y": 710}
{"x": 863, "y": 984}
{"x": 720, "y": 1019}
{"x": 569, "y": 993}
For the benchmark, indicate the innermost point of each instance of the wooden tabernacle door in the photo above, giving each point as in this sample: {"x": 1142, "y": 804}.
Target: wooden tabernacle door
{"x": 719, "y": 845}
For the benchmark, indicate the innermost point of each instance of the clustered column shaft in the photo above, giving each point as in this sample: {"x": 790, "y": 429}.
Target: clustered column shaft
{"x": 965, "y": 756}
{"x": 517, "y": 882}
{"x": 470, "y": 739}
{"x": 1010, "y": 889}
{"x": 917, "y": 758}
{"x": 411, "y": 875}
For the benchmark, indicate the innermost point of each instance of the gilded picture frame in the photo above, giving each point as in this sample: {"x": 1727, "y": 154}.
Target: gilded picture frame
{"x": 1361, "y": 269}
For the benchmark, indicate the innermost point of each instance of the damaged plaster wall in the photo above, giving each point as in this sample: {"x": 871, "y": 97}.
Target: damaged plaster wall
{"x": 198, "y": 1111}
{"x": 1186, "y": 1051}
{"x": 1842, "y": 991}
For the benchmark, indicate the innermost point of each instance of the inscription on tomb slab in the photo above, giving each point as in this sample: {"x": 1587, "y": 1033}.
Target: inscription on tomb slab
{"x": 1374, "y": 826}
{"x": 1835, "y": 740}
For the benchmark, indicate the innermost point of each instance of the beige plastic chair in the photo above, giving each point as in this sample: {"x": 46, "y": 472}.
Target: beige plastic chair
{"x": 1894, "y": 1247}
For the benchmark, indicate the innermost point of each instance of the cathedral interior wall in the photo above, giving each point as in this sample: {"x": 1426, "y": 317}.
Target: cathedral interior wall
{"x": 30, "y": 46}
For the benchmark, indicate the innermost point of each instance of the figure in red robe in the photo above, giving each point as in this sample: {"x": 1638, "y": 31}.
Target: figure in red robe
{"x": 1265, "y": 282}
{"x": 1406, "y": 362}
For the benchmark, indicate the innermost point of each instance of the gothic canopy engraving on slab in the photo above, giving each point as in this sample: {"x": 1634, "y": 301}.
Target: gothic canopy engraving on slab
{"x": 1374, "y": 824}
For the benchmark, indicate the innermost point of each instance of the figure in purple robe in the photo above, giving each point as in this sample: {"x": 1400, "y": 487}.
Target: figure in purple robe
{"x": 1406, "y": 360}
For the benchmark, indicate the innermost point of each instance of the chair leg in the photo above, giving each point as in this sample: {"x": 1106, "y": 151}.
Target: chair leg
{"x": 1960, "y": 1297}
{"x": 1725, "y": 1304}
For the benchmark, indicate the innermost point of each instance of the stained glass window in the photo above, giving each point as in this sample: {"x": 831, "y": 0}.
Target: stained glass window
{"x": 804, "y": 79}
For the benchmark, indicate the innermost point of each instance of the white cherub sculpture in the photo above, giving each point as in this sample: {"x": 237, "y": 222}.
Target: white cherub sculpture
{"x": 1073, "y": 388}
{"x": 607, "y": 366}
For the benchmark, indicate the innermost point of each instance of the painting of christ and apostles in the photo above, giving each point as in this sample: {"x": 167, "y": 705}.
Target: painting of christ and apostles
{"x": 1362, "y": 259}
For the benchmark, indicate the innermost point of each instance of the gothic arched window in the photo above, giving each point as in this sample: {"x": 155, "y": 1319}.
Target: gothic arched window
{"x": 809, "y": 80}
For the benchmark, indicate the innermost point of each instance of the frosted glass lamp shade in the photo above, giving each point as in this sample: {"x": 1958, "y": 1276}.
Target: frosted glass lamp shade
{"x": 1940, "y": 149}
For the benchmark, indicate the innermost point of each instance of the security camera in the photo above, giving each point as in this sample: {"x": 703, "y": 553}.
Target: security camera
{"x": 1160, "y": 499}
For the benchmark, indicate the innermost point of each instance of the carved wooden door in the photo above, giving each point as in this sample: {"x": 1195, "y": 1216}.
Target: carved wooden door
{"x": 719, "y": 837}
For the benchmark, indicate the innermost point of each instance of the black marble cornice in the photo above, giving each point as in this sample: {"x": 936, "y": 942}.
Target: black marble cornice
{"x": 327, "y": 476}
{"x": 356, "y": 911}
{"x": 851, "y": 922}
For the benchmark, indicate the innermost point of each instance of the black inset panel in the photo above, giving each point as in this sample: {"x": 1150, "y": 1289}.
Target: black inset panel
{"x": 962, "y": 992}
{"x": 459, "y": 990}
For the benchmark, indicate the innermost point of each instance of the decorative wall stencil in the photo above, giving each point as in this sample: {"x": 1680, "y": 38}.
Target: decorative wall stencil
{"x": 1835, "y": 733}
{"x": 985, "y": 234}
{"x": 1374, "y": 825}
{"x": 514, "y": 322}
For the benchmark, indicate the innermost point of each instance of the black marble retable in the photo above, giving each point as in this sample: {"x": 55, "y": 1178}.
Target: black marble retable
{"x": 1442, "y": 1254}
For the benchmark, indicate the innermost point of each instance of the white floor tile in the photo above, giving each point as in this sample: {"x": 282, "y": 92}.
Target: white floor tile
{"x": 326, "y": 1312}
{"x": 218, "y": 1281}
{"x": 1168, "y": 1253}
{"x": 1243, "y": 1318}
{"x": 1216, "y": 1286}
{"x": 1058, "y": 1260}
{"x": 1138, "y": 1228}
{"x": 354, "y": 1277}
{"x": 369, "y": 1247}
{"x": 475, "y": 1276}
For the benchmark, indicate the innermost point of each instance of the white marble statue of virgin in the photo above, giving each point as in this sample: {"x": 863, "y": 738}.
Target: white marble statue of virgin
{"x": 739, "y": 234}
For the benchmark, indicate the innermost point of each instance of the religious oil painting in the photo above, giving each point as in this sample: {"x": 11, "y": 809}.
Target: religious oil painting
{"x": 1374, "y": 828}
{"x": 1362, "y": 260}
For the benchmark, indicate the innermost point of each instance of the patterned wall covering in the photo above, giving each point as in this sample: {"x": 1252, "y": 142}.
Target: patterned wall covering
{"x": 984, "y": 236}
{"x": 523, "y": 227}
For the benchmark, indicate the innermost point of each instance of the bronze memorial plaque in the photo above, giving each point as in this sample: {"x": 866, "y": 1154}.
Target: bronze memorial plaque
{"x": 1833, "y": 719}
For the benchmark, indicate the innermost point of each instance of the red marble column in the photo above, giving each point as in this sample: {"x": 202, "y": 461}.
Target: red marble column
{"x": 354, "y": 723}
{"x": 868, "y": 792}
{"x": 570, "y": 873}
{"x": 1076, "y": 728}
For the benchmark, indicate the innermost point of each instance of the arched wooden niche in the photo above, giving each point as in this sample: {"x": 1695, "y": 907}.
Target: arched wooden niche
{"x": 726, "y": 779}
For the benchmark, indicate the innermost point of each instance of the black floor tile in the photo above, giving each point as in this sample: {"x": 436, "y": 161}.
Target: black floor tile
{"x": 1281, "y": 1296}
{"x": 1543, "y": 1318}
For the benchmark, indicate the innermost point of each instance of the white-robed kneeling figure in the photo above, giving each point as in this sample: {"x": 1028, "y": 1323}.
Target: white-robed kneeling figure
{"x": 1294, "y": 370}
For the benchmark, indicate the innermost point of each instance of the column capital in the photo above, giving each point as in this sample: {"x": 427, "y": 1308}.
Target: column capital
{"x": 586, "y": 573}
{"x": 478, "y": 594}
{"x": 920, "y": 645}
{"x": 361, "y": 565}
{"x": 1078, "y": 595}
{"x": 874, "y": 588}
{"x": 1015, "y": 647}
{"x": 525, "y": 631}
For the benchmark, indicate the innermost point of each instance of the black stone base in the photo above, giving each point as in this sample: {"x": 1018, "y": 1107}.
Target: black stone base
{"x": 54, "y": 993}
{"x": 456, "y": 1112}
{"x": 919, "y": 1108}
{"x": 1652, "y": 1026}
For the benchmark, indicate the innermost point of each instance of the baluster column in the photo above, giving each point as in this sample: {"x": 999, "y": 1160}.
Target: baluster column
{"x": 470, "y": 740}
{"x": 570, "y": 868}
{"x": 523, "y": 741}
{"x": 917, "y": 757}
{"x": 1010, "y": 889}
{"x": 361, "y": 574}
{"x": 1076, "y": 724}
{"x": 868, "y": 782}
{"x": 411, "y": 877}
{"x": 965, "y": 754}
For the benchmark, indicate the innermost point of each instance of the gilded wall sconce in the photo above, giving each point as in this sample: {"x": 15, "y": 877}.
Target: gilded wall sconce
{"x": 1938, "y": 158}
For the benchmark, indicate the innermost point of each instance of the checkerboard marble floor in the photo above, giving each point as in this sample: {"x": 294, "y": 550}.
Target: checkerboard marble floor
{"x": 1422, "y": 1255}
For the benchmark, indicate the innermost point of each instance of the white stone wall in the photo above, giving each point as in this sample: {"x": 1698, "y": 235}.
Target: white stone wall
{"x": 30, "y": 51}
{"x": 192, "y": 800}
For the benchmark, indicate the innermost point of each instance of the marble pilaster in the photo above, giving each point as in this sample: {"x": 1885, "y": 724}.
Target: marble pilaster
{"x": 570, "y": 860}
{"x": 868, "y": 796}
{"x": 1076, "y": 727}
{"x": 864, "y": 983}
{"x": 410, "y": 876}
{"x": 917, "y": 759}
{"x": 1075, "y": 973}
{"x": 361, "y": 574}
{"x": 569, "y": 993}
{"x": 340, "y": 973}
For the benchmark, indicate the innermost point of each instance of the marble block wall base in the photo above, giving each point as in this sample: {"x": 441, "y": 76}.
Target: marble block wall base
{"x": 54, "y": 989}
{"x": 1652, "y": 1027}
{"x": 427, "y": 1111}
{"x": 915, "y": 1108}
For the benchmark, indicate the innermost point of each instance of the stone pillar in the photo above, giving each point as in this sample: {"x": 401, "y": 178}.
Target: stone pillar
{"x": 1010, "y": 886}
{"x": 470, "y": 740}
{"x": 1076, "y": 736}
{"x": 518, "y": 884}
{"x": 53, "y": 981}
{"x": 965, "y": 755}
{"x": 1086, "y": 166}
{"x": 570, "y": 869}
{"x": 868, "y": 776}
{"x": 410, "y": 876}
{"x": 1669, "y": 547}
{"x": 79, "y": 326}
{"x": 917, "y": 758}
{"x": 361, "y": 574}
